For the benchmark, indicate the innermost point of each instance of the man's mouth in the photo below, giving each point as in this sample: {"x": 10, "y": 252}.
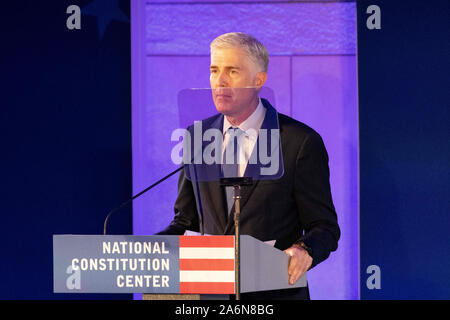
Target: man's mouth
{"x": 222, "y": 93}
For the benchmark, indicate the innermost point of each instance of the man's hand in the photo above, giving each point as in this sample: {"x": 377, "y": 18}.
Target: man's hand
{"x": 299, "y": 262}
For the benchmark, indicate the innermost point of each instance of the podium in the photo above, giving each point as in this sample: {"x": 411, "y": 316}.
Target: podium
{"x": 166, "y": 267}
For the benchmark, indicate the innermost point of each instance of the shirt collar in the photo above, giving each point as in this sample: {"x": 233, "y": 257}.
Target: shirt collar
{"x": 253, "y": 122}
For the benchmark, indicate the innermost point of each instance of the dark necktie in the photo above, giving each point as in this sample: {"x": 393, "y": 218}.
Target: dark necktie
{"x": 231, "y": 169}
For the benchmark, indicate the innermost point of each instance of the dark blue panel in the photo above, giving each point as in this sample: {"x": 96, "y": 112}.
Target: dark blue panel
{"x": 404, "y": 149}
{"x": 65, "y": 130}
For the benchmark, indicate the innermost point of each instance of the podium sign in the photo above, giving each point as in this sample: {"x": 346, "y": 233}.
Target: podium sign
{"x": 165, "y": 265}
{"x": 143, "y": 264}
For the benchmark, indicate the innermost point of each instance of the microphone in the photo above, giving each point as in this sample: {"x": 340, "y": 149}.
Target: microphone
{"x": 136, "y": 196}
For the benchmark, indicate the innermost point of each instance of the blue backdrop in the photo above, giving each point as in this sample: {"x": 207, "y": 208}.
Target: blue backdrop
{"x": 404, "y": 149}
{"x": 66, "y": 136}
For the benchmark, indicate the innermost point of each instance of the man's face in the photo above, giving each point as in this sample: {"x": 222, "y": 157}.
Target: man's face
{"x": 231, "y": 68}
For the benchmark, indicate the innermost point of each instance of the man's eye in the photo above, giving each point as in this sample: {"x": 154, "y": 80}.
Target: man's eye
{"x": 213, "y": 71}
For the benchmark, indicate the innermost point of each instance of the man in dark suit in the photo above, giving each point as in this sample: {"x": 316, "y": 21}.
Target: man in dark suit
{"x": 297, "y": 209}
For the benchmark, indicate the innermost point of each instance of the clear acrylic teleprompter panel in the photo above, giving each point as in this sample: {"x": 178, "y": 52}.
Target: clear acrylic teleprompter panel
{"x": 201, "y": 118}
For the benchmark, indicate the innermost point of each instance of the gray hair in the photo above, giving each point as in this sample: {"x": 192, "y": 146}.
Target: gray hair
{"x": 256, "y": 51}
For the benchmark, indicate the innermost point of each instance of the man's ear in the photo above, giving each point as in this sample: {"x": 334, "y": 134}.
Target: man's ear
{"x": 260, "y": 79}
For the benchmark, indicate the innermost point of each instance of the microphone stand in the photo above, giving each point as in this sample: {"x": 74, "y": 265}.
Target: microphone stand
{"x": 138, "y": 195}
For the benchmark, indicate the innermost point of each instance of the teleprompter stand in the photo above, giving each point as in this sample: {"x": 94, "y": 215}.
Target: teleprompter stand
{"x": 236, "y": 183}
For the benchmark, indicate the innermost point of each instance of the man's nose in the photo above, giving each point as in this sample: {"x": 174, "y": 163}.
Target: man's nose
{"x": 222, "y": 80}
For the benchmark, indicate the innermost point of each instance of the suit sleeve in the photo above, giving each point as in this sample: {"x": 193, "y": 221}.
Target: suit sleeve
{"x": 186, "y": 216}
{"x": 314, "y": 201}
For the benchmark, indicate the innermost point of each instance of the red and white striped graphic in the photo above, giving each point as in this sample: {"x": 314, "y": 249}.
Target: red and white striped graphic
{"x": 207, "y": 264}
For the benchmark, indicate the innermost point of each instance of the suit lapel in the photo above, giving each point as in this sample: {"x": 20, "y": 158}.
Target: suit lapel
{"x": 217, "y": 201}
{"x": 215, "y": 193}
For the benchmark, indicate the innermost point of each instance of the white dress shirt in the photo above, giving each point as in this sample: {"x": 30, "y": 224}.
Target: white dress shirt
{"x": 250, "y": 127}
